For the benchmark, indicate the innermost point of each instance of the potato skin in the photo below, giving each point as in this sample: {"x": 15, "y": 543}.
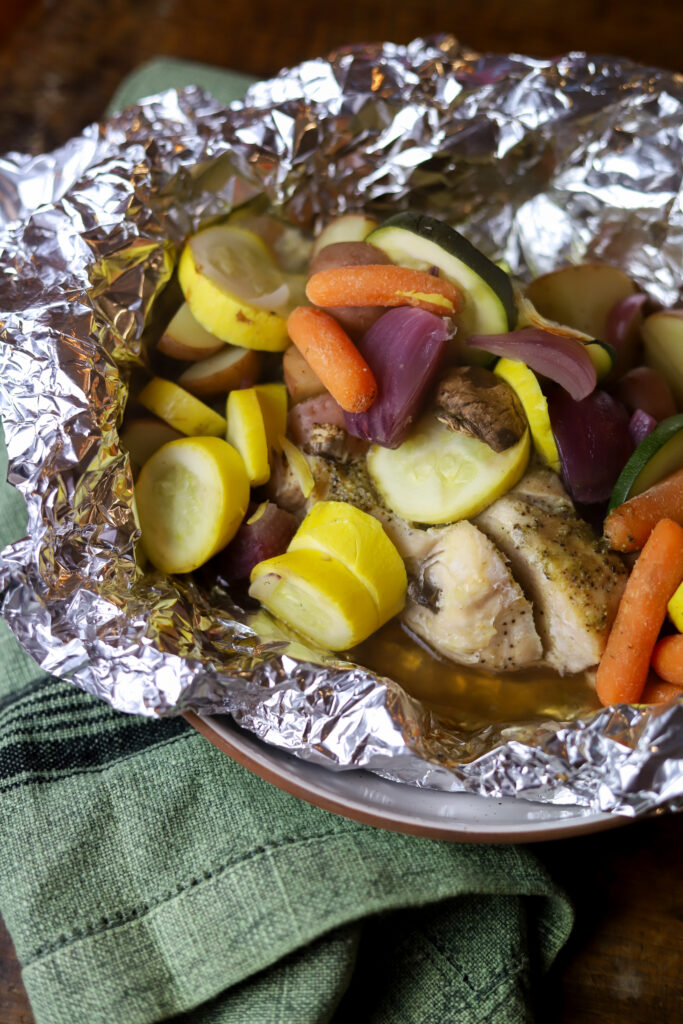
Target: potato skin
{"x": 646, "y": 388}
{"x": 244, "y": 372}
{"x": 355, "y": 320}
{"x": 347, "y": 254}
{"x": 301, "y": 380}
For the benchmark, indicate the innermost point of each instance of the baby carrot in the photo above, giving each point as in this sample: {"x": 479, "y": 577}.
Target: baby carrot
{"x": 329, "y": 351}
{"x": 383, "y": 285}
{"x": 658, "y": 692}
{"x": 622, "y": 672}
{"x": 628, "y": 526}
{"x": 667, "y": 659}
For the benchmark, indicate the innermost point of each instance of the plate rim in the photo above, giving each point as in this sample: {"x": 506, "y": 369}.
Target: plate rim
{"x": 242, "y": 748}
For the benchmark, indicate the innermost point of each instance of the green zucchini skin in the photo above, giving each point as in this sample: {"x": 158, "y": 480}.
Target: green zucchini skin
{"x": 657, "y": 455}
{"x": 456, "y": 250}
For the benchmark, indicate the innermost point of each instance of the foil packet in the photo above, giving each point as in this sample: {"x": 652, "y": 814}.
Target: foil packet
{"x": 538, "y": 161}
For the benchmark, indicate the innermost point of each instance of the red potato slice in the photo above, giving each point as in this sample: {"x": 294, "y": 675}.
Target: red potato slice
{"x": 306, "y": 415}
{"x": 230, "y": 368}
{"x": 308, "y": 425}
{"x": 648, "y": 389}
{"x": 186, "y": 339}
{"x": 663, "y": 341}
{"x": 347, "y": 254}
{"x": 143, "y": 437}
{"x": 263, "y": 535}
{"x": 302, "y": 382}
{"x": 581, "y": 296}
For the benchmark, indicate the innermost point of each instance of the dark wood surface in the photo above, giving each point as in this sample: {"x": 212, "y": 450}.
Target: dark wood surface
{"x": 62, "y": 61}
{"x": 59, "y": 65}
{"x": 623, "y": 961}
{"x": 14, "y": 1005}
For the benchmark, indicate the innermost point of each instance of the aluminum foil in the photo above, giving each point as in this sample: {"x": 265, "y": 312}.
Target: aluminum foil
{"x": 538, "y": 161}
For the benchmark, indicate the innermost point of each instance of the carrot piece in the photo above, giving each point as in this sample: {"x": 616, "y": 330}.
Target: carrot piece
{"x": 658, "y": 692}
{"x": 628, "y": 526}
{"x": 667, "y": 659}
{"x": 383, "y": 285}
{"x": 331, "y": 354}
{"x": 622, "y": 672}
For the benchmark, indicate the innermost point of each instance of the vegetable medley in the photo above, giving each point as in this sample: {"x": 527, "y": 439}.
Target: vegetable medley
{"x": 380, "y": 423}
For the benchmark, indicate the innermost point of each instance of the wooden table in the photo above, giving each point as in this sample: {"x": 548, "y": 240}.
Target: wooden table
{"x": 60, "y": 63}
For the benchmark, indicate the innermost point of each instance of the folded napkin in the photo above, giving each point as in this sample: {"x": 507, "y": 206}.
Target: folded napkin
{"x": 144, "y": 875}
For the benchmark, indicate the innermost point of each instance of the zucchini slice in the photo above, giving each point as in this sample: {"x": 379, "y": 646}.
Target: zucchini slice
{"x": 657, "y": 455}
{"x": 440, "y": 476}
{"x": 420, "y": 242}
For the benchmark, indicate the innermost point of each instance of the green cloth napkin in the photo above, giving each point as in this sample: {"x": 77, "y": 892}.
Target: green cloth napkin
{"x": 144, "y": 876}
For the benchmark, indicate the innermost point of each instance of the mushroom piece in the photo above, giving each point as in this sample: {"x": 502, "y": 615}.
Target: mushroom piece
{"x": 474, "y": 401}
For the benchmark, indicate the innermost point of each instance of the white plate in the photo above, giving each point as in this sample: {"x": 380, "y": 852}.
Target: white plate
{"x": 365, "y": 797}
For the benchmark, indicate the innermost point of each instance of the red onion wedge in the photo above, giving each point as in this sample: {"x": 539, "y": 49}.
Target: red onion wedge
{"x": 554, "y": 356}
{"x": 640, "y": 425}
{"x": 404, "y": 349}
{"x": 593, "y": 440}
{"x": 622, "y": 330}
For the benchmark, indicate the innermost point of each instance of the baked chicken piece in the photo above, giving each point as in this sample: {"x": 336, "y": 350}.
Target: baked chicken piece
{"x": 464, "y": 603}
{"x": 573, "y": 583}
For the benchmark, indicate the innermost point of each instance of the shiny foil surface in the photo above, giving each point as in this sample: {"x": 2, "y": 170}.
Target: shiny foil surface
{"x": 539, "y": 162}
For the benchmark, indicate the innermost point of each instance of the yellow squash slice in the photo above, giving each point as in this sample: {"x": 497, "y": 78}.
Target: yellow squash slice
{"x": 273, "y": 400}
{"x": 234, "y": 288}
{"x": 675, "y": 609}
{"x": 525, "y": 382}
{"x": 357, "y": 540}
{"x": 180, "y": 409}
{"x": 191, "y": 497}
{"x": 247, "y": 432}
{"x": 317, "y": 596}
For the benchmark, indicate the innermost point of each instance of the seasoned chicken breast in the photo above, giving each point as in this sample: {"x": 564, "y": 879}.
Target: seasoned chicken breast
{"x": 574, "y": 584}
{"x": 465, "y": 604}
